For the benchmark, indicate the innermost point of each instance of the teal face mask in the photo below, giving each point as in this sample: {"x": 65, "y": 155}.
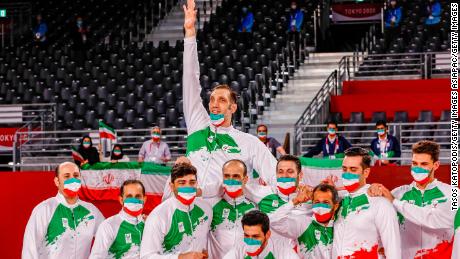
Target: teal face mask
{"x": 217, "y": 119}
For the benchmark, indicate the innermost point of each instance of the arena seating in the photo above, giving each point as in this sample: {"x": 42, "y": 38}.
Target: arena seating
{"x": 136, "y": 86}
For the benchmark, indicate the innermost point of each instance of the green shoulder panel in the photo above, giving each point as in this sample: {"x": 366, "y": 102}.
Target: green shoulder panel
{"x": 223, "y": 210}
{"x": 210, "y": 141}
{"x": 128, "y": 235}
{"x": 270, "y": 203}
{"x": 314, "y": 235}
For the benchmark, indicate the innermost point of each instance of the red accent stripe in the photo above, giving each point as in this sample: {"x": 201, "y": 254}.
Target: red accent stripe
{"x": 106, "y": 135}
{"x": 352, "y": 187}
{"x": 287, "y": 191}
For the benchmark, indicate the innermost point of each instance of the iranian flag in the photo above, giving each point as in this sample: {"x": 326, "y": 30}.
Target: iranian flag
{"x": 107, "y": 135}
{"x": 76, "y": 155}
{"x": 102, "y": 181}
{"x": 316, "y": 170}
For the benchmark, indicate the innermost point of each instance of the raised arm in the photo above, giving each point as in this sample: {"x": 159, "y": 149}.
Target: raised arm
{"x": 196, "y": 116}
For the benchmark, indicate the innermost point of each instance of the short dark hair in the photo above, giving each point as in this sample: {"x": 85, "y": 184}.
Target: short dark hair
{"x": 332, "y": 122}
{"x": 363, "y": 153}
{"x": 128, "y": 182}
{"x": 256, "y": 217}
{"x": 233, "y": 95}
{"x": 181, "y": 170}
{"x": 292, "y": 158}
{"x": 327, "y": 188}
{"x": 237, "y": 161}
{"x": 262, "y": 125}
{"x": 381, "y": 122}
{"x": 427, "y": 147}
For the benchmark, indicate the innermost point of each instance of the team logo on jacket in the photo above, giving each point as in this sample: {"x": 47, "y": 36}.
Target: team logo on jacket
{"x": 128, "y": 238}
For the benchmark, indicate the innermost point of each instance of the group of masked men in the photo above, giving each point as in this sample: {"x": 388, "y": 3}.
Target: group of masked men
{"x": 214, "y": 207}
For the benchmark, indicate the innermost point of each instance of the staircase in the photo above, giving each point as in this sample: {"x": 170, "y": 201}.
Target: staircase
{"x": 171, "y": 27}
{"x": 288, "y": 106}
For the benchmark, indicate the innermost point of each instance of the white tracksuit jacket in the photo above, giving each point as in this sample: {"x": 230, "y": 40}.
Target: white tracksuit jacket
{"x": 208, "y": 147}
{"x": 59, "y": 230}
{"x": 313, "y": 238}
{"x": 456, "y": 248}
{"x": 226, "y": 228}
{"x": 275, "y": 249}
{"x": 118, "y": 237}
{"x": 426, "y": 221}
{"x": 362, "y": 223}
{"x": 173, "y": 228}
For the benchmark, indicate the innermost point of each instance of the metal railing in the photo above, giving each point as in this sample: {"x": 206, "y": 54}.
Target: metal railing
{"x": 36, "y": 147}
{"x": 22, "y": 114}
{"x": 361, "y": 134}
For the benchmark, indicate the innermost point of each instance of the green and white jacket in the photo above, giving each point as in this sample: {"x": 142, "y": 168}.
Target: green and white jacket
{"x": 59, "y": 230}
{"x": 362, "y": 224}
{"x": 456, "y": 248}
{"x": 426, "y": 220}
{"x": 208, "y": 147}
{"x": 173, "y": 228}
{"x": 226, "y": 228}
{"x": 118, "y": 237}
{"x": 314, "y": 240}
{"x": 275, "y": 249}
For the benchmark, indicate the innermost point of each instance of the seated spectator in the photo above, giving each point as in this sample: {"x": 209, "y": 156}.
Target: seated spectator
{"x": 39, "y": 32}
{"x": 295, "y": 19}
{"x": 271, "y": 143}
{"x": 392, "y": 21}
{"x": 117, "y": 155}
{"x": 89, "y": 153}
{"x": 155, "y": 150}
{"x": 433, "y": 11}
{"x": 332, "y": 146}
{"x": 80, "y": 38}
{"x": 247, "y": 20}
{"x": 245, "y": 26}
{"x": 385, "y": 145}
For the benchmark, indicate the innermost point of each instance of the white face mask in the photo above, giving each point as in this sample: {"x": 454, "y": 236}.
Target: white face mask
{"x": 252, "y": 246}
{"x": 133, "y": 206}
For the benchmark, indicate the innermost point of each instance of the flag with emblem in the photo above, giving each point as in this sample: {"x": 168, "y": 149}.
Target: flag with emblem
{"x": 102, "y": 181}
{"x": 316, "y": 170}
{"x": 76, "y": 155}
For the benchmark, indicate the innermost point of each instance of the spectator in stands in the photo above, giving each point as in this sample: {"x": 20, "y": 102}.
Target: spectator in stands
{"x": 57, "y": 223}
{"x": 433, "y": 19}
{"x": 129, "y": 221}
{"x": 155, "y": 150}
{"x": 271, "y": 143}
{"x": 80, "y": 38}
{"x": 295, "y": 26}
{"x": 87, "y": 151}
{"x": 245, "y": 26}
{"x": 385, "y": 145}
{"x": 39, "y": 32}
{"x": 257, "y": 242}
{"x": 426, "y": 220}
{"x": 332, "y": 146}
{"x": 117, "y": 155}
{"x": 392, "y": 21}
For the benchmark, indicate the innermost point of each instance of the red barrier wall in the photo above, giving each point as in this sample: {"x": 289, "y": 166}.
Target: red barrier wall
{"x": 391, "y": 96}
{"x": 396, "y": 86}
{"x": 22, "y": 191}
{"x": 390, "y": 103}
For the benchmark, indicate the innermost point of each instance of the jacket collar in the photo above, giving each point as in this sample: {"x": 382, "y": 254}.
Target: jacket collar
{"x": 362, "y": 190}
{"x": 238, "y": 200}
{"x": 61, "y": 199}
{"x": 131, "y": 219}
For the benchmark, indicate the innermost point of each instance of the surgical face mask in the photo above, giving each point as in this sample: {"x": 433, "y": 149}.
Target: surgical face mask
{"x": 380, "y": 132}
{"x": 217, "y": 119}
{"x": 155, "y": 135}
{"x": 133, "y": 206}
{"x": 186, "y": 195}
{"x": 252, "y": 246}
{"x": 322, "y": 212}
{"x": 233, "y": 188}
{"x": 72, "y": 186}
{"x": 350, "y": 181}
{"x": 86, "y": 144}
{"x": 293, "y": 7}
{"x": 117, "y": 152}
{"x": 262, "y": 134}
{"x": 420, "y": 174}
{"x": 286, "y": 185}
{"x": 331, "y": 131}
